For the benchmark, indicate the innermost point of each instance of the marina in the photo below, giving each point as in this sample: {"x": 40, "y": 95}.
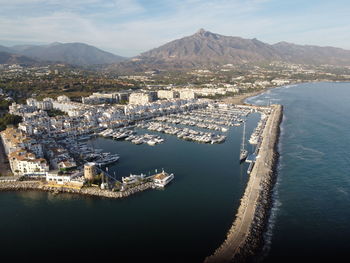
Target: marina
{"x": 87, "y": 153}
{"x": 129, "y": 134}
{"x": 217, "y": 117}
{"x": 189, "y": 167}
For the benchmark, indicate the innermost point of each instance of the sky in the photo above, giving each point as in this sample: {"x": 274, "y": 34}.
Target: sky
{"x": 129, "y": 27}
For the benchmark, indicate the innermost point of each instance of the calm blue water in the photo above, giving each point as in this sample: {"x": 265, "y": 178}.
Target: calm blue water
{"x": 311, "y": 214}
{"x": 183, "y": 223}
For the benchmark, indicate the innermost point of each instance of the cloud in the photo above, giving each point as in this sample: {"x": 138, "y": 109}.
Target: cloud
{"x": 128, "y": 27}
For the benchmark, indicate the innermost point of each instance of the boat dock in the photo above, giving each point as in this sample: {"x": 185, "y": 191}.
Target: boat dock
{"x": 110, "y": 187}
{"x": 192, "y": 125}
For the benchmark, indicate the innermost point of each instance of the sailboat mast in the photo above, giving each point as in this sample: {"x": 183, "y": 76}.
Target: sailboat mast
{"x": 243, "y": 154}
{"x": 243, "y": 140}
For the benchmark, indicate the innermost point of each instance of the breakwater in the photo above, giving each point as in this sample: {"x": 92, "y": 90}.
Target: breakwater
{"x": 244, "y": 238}
{"x": 89, "y": 191}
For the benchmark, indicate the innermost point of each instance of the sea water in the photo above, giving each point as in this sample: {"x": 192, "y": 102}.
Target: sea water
{"x": 310, "y": 218}
{"x": 185, "y": 222}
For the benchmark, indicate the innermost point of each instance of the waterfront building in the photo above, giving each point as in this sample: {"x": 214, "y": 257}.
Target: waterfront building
{"x": 23, "y": 162}
{"x": 58, "y": 178}
{"x": 279, "y": 82}
{"x": 70, "y": 179}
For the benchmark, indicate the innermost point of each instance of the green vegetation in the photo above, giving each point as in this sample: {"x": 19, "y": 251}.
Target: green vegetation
{"x": 4, "y": 104}
{"x": 123, "y": 102}
{"x": 73, "y": 82}
{"x": 219, "y": 96}
{"x": 66, "y": 170}
{"x": 54, "y": 113}
{"x": 9, "y": 119}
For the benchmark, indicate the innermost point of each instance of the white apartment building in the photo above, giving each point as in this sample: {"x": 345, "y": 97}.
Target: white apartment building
{"x": 23, "y": 162}
{"x": 187, "y": 94}
{"x": 139, "y": 98}
{"x": 21, "y": 109}
{"x": 46, "y": 104}
{"x": 167, "y": 94}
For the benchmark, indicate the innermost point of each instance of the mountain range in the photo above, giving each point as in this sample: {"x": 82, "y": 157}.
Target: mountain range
{"x": 206, "y": 48}
{"x": 203, "y": 48}
{"x": 70, "y": 53}
{"x": 8, "y": 58}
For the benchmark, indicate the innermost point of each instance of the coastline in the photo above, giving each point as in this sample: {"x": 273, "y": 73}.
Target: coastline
{"x": 239, "y": 99}
{"x": 87, "y": 191}
{"x": 245, "y": 237}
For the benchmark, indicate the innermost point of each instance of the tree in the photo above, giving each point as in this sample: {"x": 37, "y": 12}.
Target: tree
{"x": 9, "y": 119}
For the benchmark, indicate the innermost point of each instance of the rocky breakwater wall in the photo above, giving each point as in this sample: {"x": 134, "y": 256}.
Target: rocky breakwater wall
{"x": 94, "y": 191}
{"x": 91, "y": 191}
{"x": 245, "y": 237}
{"x": 19, "y": 185}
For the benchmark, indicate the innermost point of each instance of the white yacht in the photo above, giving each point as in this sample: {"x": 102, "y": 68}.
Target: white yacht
{"x": 133, "y": 178}
{"x": 108, "y": 160}
{"x": 151, "y": 142}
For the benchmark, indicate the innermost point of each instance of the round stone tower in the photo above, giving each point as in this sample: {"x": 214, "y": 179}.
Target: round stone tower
{"x": 89, "y": 171}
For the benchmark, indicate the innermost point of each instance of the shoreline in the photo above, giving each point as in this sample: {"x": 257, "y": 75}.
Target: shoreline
{"x": 84, "y": 191}
{"x": 239, "y": 99}
{"x": 245, "y": 237}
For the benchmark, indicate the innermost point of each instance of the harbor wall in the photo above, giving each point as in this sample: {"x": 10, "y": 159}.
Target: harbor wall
{"x": 245, "y": 238}
{"x": 89, "y": 191}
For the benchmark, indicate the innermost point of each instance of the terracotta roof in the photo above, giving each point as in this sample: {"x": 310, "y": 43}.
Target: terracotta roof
{"x": 23, "y": 155}
{"x": 160, "y": 176}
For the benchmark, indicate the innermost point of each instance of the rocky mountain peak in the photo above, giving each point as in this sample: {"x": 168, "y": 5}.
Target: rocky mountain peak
{"x": 201, "y": 32}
